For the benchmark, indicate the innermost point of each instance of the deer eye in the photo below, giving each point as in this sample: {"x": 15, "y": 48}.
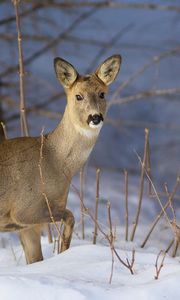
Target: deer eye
{"x": 101, "y": 95}
{"x": 79, "y": 97}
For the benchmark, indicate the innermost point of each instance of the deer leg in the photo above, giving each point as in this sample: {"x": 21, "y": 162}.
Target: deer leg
{"x": 30, "y": 220}
{"x": 68, "y": 221}
{"x": 31, "y": 241}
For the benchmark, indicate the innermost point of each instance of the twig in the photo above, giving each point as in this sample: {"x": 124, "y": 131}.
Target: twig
{"x": 170, "y": 245}
{"x": 43, "y": 186}
{"x": 148, "y": 164}
{"x": 111, "y": 43}
{"x": 131, "y": 264}
{"x": 159, "y": 268}
{"x": 144, "y": 95}
{"x": 82, "y": 201}
{"x": 23, "y": 117}
{"x": 4, "y": 130}
{"x": 153, "y": 61}
{"x": 50, "y": 239}
{"x": 157, "y": 197}
{"x": 23, "y": 14}
{"x": 126, "y": 205}
{"x": 96, "y": 207}
{"x": 52, "y": 43}
{"x": 141, "y": 186}
{"x": 163, "y": 209}
{"x": 103, "y": 233}
{"x": 116, "y": 5}
{"x": 176, "y": 229}
{"x": 111, "y": 239}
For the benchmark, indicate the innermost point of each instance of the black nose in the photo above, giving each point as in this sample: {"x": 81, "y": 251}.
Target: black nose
{"x": 97, "y": 119}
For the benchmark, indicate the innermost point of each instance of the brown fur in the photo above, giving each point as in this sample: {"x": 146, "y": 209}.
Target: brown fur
{"x": 65, "y": 150}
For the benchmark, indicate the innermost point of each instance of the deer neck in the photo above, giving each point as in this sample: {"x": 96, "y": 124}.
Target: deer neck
{"x": 72, "y": 144}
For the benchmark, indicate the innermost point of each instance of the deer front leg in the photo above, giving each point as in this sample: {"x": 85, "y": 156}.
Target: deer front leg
{"x": 68, "y": 221}
{"x": 29, "y": 235}
{"x": 31, "y": 241}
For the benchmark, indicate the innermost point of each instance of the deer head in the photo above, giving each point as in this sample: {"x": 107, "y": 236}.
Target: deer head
{"x": 86, "y": 102}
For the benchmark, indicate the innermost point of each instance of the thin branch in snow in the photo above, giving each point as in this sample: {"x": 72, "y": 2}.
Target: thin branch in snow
{"x": 96, "y": 207}
{"x": 141, "y": 186}
{"x": 163, "y": 209}
{"x": 160, "y": 266}
{"x": 82, "y": 201}
{"x": 126, "y": 205}
{"x": 111, "y": 239}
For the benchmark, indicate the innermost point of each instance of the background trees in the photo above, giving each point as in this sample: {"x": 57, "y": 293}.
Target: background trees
{"x": 85, "y": 32}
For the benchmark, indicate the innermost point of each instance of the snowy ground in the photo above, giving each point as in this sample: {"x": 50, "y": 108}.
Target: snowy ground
{"x": 84, "y": 270}
{"x": 83, "y": 273}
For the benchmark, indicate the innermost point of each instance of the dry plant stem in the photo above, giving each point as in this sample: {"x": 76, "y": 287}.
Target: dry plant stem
{"x": 43, "y": 187}
{"x": 111, "y": 238}
{"x": 126, "y": 205}
{"x": 141, "y": 187}
{"x": 175, "y": 248}
{"x": 82, "y": 201}
{"x": 102, "y": 232}
{"x": 148, "y": 164}
{"x": 4, "y": 130}
{"x": 176, "y": 230}
{"x": 23, "y": 117}
{"x": 157, "y": 197}
{"x": 131, "y": 264}
{"x": 163, "y": 209}
{"x": 50, "y": 239}
{"x": 170, "y": 245}
{"x": 110, "y": 223}
{"x": 159, "y": 268}
{"x": 96, "y": 207}
{"x": 59, "y": 237}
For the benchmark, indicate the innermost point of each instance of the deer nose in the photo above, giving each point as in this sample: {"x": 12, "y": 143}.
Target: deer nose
{"x": 96, "y": 119}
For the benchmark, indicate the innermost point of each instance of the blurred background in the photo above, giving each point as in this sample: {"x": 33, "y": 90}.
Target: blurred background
{"x": 146, "y": 93}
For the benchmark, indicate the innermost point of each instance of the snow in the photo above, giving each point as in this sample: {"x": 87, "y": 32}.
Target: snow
{"x": 83, "y": 271}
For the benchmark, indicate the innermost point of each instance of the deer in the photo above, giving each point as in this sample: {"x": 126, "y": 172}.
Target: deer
{"x": 65, "y": 150}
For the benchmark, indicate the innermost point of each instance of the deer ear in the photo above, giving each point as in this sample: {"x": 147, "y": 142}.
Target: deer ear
{"x": 109, "y": 69}
{"x": 65, "y": 72}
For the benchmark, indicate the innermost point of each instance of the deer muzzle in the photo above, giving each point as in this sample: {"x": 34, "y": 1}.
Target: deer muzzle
{"x": 94, "y": 121}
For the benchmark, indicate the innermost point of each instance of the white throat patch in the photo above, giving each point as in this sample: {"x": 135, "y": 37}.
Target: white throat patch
{"x": 89, "y": 133}
{"x": 98, "y": 126}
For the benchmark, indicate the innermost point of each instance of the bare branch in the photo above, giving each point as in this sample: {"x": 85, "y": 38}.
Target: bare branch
{"x": 5, "y": 136}
{"x": 154, "y": 60}
{"x": 82, "y": 201}
{"x": 96, "y": 207}
{"x": 158, "y": 268}
{"x": 52, "y": 43}
{"x": 163, "y": 209}
{"x": 23, "y": 117}
{"x": 126, "y": 205}
{"x": 144, "y": 95}
{"x": 23, "y": 14}
{"x": 141, "y": 187}
{"x": 116, "y": 5}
